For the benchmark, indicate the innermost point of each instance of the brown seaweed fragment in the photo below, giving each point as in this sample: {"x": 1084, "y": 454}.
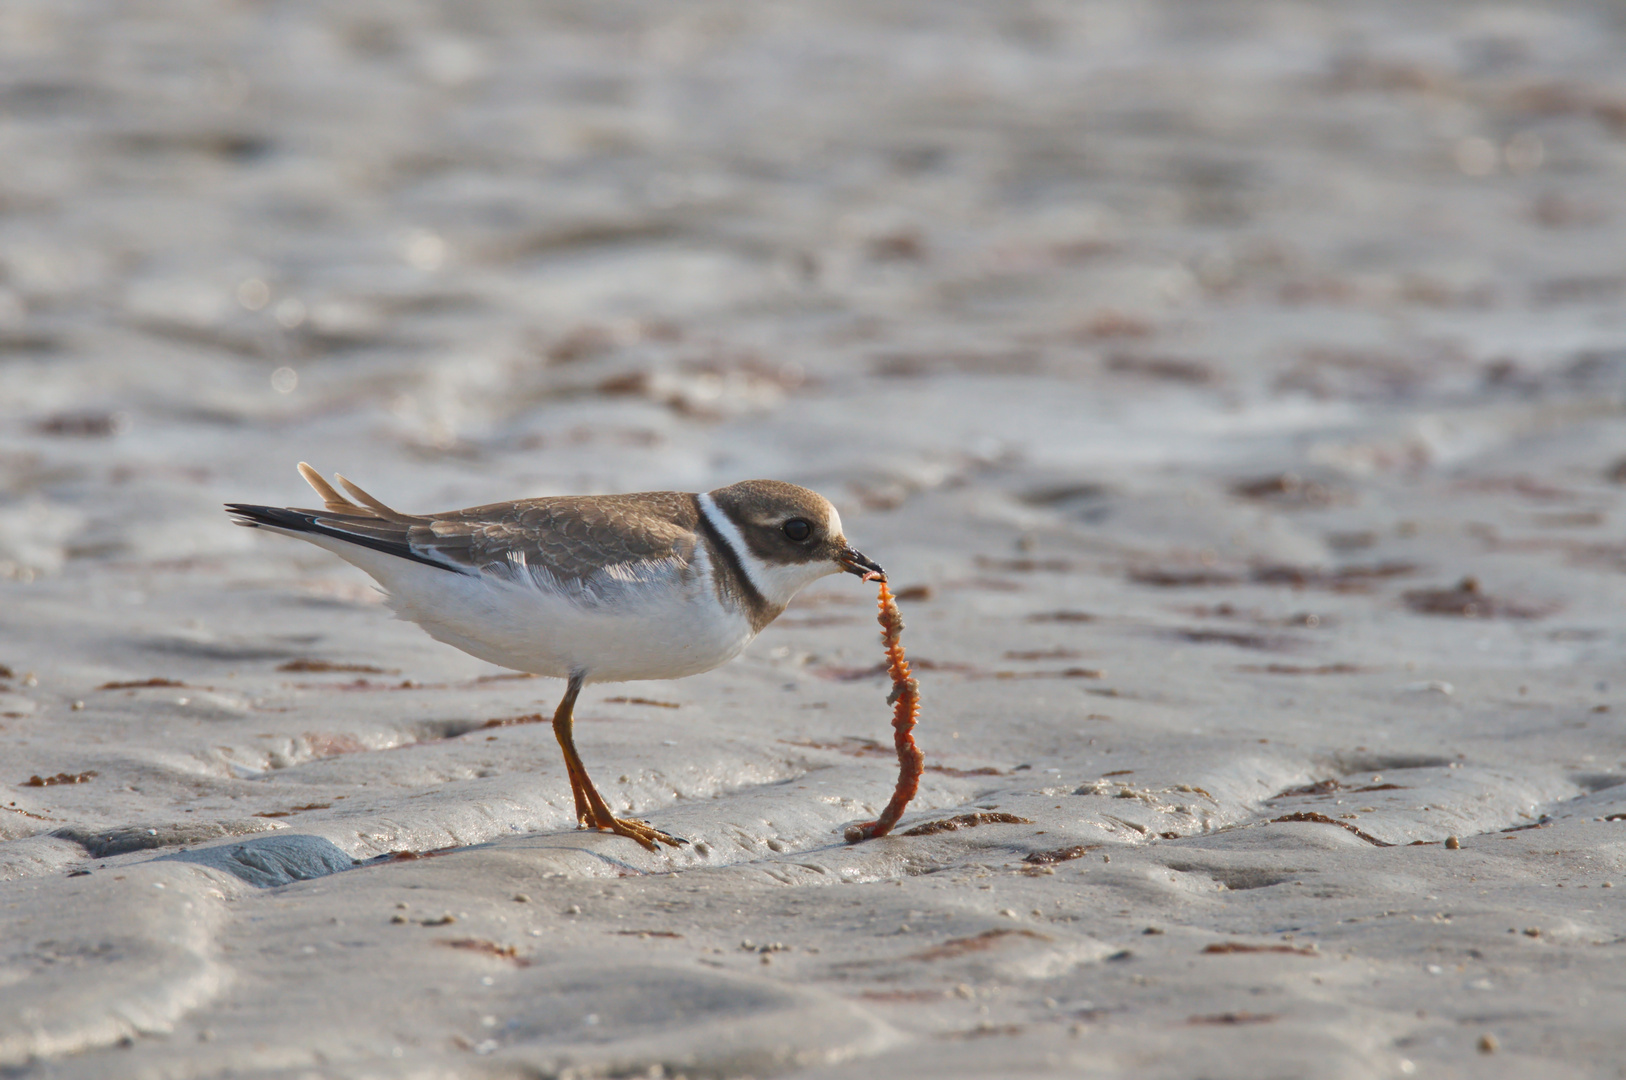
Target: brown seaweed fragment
{"x": 1025, "y": 566}
{"x": 411, "y": 856}
{"x": 292, "y": 810}
{"x": 309, "y": 665}
{"x": 983, "y": 1030}
{"x": 1323, "y": 819}
{"x": 1319, "y": 787}
{"x": 913, "y": 997}
{"x": 528, "y": 718}
{"x": 1065, "y": 616}
{"x": 82, "y": 425}
{"x": 966, "y": 821}
{"x": 1263, "y": 642}
{"x": 1345, "y": 579}
{"x": 60, "y": 778}
{"x": 1183, "y": 579}
{"x": 1235, "y": 1018}
{"x": 1289, "y": 490}
{"x": 852, "y": 745}
{"x": 1063, "y": 673}
{"x": 1219, "y": 948}
{"x": 905, "y": 702}
{"x": 954, "y": 947}
{"x": 1469, "y": 601}
{"x": 139, "y": 684}
{"x": 1056, "y": 855}
{"x": 489, "y": 948}
{"x": 1166, "y": 368}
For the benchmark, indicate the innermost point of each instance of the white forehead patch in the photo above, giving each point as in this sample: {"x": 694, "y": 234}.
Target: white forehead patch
{"x": 835, "y": 523}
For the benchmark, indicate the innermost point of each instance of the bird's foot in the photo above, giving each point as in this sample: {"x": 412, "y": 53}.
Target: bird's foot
{"x": 641, "y": 831}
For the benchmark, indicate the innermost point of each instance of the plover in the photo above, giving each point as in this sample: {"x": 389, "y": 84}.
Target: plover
{"x": 587, "y": 588}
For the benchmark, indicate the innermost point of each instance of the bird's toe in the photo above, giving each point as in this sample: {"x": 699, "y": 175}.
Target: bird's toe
{"x": 644, "y": 833}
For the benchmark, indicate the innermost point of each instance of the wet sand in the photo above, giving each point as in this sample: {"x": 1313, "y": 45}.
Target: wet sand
{"x": 1234, "y": 392}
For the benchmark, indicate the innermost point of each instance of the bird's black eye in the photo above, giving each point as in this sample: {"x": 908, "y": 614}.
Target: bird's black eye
{"x": 798, "y": 530}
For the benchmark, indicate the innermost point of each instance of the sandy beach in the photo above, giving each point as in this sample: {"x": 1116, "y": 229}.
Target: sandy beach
{"x": 1235, "y": 394}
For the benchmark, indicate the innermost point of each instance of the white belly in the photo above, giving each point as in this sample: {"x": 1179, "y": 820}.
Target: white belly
{"x": 664, "y": 636}
{"x": 665, "y": 629}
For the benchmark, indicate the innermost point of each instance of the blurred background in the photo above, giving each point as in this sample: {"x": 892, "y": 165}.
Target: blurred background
{"x": 1234, "y": 389}
{"x": 465, "y": 252}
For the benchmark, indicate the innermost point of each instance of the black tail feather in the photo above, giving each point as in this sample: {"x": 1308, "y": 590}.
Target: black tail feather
{"x": 307, "y": 521}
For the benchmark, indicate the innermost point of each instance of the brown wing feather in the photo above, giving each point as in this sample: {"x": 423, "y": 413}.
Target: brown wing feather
{"x": 367, "y": 518}
{"x": 568, "y": 538}
{"x": 372, "y": 504}
{"x": 331, "y": 499}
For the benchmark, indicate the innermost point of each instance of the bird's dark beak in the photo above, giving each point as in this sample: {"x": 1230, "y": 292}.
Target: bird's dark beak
{"x": 855, "y": 563}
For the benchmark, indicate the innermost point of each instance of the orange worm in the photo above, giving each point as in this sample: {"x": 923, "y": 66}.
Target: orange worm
{"x": 905, "y": 701}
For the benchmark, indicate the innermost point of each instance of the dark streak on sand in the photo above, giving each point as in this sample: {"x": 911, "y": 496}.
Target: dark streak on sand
{"x": 410, "y": 856}
{"x": 1066, "y": 854}
{"x": 1025, "y": 566}
{"x": 1064, "y": 673}
{"x": 1323, "y": 819}
{"x": 139, "y": 684}
{"x": 310, "y": 665}
{"x": 489, "y": 948}
{"x": 1468, "y": 601}
{"x": 292, "y": 810}
{"x": 528, "y": 718}
{"x": 1062, "y": 617}
{"x": 60, "y": 778}
{"x": 1345, "y": 579}
{"x": 966, "y": 821}
{"x": 1235, "y": 1018}
{"x": 1219, "y": 948}
{"x": 978, "y": 943}
{"x": 852, "y": 746}
{"x": 1327, "y": 787}
{"x": 949, "y": 770}
{"x": 1239, "y": 640}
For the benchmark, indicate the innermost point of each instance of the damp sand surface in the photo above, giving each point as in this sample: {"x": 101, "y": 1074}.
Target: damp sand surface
{"x": 1233, "y": 394}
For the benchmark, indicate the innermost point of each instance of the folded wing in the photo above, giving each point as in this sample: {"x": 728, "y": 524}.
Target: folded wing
{"x": 586, "y": 547}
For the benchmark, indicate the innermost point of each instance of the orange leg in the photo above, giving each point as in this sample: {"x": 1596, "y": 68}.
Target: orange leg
{"x": 591, "y": 809}
{"x": 563, "y": 721}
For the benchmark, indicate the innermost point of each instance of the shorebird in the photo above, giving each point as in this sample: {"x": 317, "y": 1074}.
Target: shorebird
{"x": 587, "y": 588}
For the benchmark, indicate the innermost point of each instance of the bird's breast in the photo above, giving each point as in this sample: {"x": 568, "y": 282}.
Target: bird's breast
{"x": 643, "y": 626}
